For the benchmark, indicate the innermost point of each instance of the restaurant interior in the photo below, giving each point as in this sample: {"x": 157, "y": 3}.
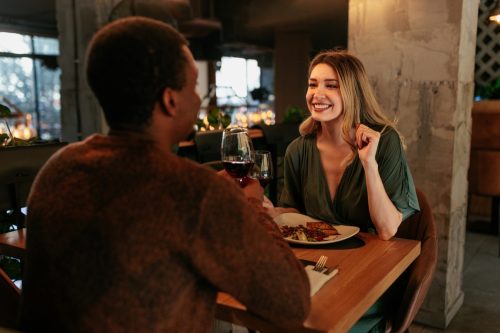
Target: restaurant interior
{"x": 434, "y": 66}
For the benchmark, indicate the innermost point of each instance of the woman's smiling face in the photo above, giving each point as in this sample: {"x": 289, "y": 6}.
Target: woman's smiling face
{"x": 323, "y": 94}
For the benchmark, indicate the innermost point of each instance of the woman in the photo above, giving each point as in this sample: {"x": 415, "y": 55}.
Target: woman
{"x": 348, "y": 166}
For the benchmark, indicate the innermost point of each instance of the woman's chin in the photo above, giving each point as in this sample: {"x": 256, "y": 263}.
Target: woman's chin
{"x": 324, "y": 116}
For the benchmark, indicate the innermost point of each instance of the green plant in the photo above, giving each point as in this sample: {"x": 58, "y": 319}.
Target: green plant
{"x": 294, "y": 114}
{"x": 216, "y": 119}
{"x": 260, "y": 94}
{"x": 489, "y": 91}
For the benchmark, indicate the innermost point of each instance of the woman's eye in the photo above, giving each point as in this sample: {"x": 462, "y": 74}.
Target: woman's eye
{"x": 312, "y": 85}
{"x": 332, "y": 86}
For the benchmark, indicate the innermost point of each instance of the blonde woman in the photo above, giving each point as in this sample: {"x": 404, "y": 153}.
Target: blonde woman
{"x": 348, "y": 166}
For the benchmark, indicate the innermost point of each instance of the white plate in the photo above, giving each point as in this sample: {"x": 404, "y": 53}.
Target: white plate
{"x": 294, "y": 219}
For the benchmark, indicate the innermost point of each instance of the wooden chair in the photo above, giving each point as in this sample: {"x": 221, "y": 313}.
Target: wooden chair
{"x": 10, "y": 296}
{"x": 484, "y": 178}
{"x": 412, "y": 287}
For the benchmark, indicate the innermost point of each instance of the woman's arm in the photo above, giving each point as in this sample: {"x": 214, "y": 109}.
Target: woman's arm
{"x": 384, "y": 214}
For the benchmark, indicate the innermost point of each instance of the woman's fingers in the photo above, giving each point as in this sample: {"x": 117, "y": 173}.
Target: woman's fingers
{"x": 365, "y": 135}
{"x": 359, "y": 141}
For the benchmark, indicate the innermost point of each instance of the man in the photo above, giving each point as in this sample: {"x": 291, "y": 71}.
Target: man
{"x": 123, "y": 235}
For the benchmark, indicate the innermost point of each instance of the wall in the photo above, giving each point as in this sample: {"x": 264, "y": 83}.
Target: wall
{"x": 77, "y": 22}
{"x": 420, "y": 58}
{"x": 291, "y": 58}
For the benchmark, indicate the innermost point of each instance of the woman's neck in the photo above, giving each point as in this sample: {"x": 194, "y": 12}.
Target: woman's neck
{"x": 332, "y": 132}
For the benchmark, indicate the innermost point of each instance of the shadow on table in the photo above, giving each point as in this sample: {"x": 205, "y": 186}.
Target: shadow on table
{"x": 350, "y": 243}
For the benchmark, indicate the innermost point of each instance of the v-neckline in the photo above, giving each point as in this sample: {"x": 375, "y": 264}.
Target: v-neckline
{"x": 331, "y": 201}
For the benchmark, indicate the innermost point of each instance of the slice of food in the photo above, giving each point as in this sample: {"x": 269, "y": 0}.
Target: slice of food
{"x": 326, "y": 228}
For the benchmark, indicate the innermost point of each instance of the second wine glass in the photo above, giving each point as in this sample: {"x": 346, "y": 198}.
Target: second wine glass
{"x": 237, "y": 153}
{"x": 262, "y": 169}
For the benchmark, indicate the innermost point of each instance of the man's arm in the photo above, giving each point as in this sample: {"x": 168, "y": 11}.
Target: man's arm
{"x": 241, "y": 252}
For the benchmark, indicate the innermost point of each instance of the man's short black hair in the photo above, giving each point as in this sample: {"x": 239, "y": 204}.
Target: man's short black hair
{"x": 129, "y": 64}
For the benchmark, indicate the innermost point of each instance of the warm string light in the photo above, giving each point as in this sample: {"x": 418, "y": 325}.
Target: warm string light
{"x": 244, "y": 118}
{"x": 495, "y": 18}
{"x": 20, "y": 129}
{"x": 495, "y": 13}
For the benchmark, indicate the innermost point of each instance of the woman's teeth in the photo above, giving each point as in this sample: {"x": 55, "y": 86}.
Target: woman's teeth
{"x": 321, "y": 107}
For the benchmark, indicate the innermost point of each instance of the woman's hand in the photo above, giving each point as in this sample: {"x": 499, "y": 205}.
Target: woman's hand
{"x": 367, "y": 142}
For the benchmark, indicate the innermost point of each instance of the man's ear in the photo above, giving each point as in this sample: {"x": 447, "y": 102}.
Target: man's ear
{"x": 167, "y": 103}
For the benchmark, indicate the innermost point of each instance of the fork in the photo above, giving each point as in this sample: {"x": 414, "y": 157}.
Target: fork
{"x": 320, "y": 264}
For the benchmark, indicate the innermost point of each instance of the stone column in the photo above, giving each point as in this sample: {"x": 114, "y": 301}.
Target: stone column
{"x": 77, "y": 22}
{"x": 420, "y": 57}
{"x": 291, "y": 60}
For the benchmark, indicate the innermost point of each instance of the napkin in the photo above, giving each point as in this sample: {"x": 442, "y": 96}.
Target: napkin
{"x": 318, "y": 279}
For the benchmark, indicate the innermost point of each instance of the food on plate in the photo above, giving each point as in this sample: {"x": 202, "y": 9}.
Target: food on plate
{"x": 325, "y": 227}
{"x": 313, "y": 231}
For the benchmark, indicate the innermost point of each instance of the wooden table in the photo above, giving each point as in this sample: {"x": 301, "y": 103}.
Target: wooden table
{"x": 368, "y": 267}
{"x": 366, "y": 272}
{"x": 13, "y": 243}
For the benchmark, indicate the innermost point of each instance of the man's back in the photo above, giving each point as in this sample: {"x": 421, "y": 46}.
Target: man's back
{"x": 131, "y": 239}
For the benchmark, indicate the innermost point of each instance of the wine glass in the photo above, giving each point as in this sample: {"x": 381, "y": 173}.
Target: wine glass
{"x": 262, "y": 169}
{"x": 237, "y": 153}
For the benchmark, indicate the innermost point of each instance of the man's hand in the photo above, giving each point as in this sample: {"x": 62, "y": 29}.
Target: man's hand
{"x": 250, "y": 187}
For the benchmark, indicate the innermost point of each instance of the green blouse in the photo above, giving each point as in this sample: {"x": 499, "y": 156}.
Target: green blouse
{"x": 306, "y": 188}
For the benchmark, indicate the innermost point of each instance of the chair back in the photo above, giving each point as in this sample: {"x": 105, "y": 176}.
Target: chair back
{"x": 277, "y": 138}
{"x": 10, "y": 296}
{"x": 415, "y": 282}
{"x": 208, "y": 146}
{"x": 18, "y": 169}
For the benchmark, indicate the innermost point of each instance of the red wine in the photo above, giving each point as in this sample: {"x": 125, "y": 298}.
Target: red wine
{"x": 237, "y": 169}
{"x": 264, "y": 181}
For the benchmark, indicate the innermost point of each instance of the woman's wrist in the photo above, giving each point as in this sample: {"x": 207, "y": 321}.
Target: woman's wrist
{"x": 370, "y": 166}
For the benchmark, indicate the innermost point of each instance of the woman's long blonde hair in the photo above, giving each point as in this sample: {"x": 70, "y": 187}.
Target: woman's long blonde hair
{"x": 359, "y": 102}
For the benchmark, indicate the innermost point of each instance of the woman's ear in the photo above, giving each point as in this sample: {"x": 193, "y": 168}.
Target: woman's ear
{"x": 167, "y": 102}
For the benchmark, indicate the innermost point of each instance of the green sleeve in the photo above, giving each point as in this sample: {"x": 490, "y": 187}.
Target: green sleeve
{"x": 395, "y": 173}
{"x": 291, "y": 195}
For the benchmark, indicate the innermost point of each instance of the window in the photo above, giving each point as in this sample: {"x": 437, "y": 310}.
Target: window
{"x": 235, "y": 80}
{"x": 236, "y": 77}
{"x": 30, "y": 80}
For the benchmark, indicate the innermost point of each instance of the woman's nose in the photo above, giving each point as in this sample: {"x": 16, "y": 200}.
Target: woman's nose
{"x": 319, "y": 94}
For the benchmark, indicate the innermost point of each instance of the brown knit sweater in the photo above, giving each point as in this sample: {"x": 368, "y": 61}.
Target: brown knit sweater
{"x": 123, "y": 238}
